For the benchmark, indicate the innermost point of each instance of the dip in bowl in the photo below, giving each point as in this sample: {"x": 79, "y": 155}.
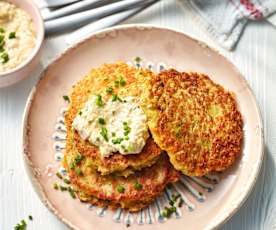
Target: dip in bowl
{"x": 21, "y": 37}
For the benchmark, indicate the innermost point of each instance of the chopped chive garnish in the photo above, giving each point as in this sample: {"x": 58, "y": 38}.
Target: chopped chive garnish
{"x": 66, "y": 181}
{"x": 59, "y": 175}
{"x": 30, "y": 217}
{"x": 114, "y": 97}
{"x": 126, "y": 133}
{"x": 101, "y": 121}
{"x": 55, "y": 186}
{"x": 117, "y": 141}
{"x": 2, "y": 43}
{"x": 12, "y": 35}
{"x": 122, "y": 81}
{"x": 72, "y": 165}
{"x": 175, "y": 196}
{"x": 71, "y": 192}
{"x": 21, "y": 226}
{"x": 173, "y": 209}
{"x": 166, "y": 213}
{"x": 119, "y": 99}
{"x": 138, "y": 59}
{"x": 109, "y": 90}
{"x": 126, "y": 138}
{"x": 5, "y": 58}
{"x": 103, "y": 132}
{"x": 2, "y": 30}
{"x": 2, "y": 37}
{"x": 120, "y": 189}
{"x": 80, "y": 113}
{"x": 99, "y": 101}
{"x": 66, "y": 98}
{"x": 78, "y": 172}
{"x": 113, "y": 134}
{"x": 138, "y": 186}
{"x": 171, "y": 203}
{"x": 130, "y": 148}
{"x": 63, "y": 188}
{"x": 127, "y": 129}
{"x": 116, "y": 83}
{"x": 78, "y": 158}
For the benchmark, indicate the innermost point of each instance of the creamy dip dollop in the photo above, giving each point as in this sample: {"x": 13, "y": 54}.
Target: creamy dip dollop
{"x": 17, "y": 36}
{"x": 114, "y": 126}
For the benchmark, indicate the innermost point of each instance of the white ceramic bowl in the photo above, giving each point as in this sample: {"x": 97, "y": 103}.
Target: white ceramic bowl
{"x": 26, "y": 67}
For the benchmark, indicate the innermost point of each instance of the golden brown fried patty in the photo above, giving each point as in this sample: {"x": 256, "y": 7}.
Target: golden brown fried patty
{"x": 195, "y": 120}
{"x": 117, "y": 191}
{"x": 96, "y": 82}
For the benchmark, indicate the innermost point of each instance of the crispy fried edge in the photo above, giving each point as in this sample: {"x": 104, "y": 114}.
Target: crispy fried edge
{"x": 215, "y": 164}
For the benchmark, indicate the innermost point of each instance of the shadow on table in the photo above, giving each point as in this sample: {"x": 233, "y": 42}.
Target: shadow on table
{"x": 257, "y": 212}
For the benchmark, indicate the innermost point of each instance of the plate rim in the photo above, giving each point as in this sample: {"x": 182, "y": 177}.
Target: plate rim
{"x": 30, "y": 171}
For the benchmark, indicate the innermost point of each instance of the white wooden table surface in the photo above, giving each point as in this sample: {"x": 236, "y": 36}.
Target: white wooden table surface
{"x": 255, "y": 56}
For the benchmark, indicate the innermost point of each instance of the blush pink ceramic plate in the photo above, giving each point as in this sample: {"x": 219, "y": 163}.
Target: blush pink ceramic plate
{"x": 206, "y": 205}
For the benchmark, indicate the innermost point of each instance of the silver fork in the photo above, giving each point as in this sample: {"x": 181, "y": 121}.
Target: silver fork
{"x": 55, "y": 3}
{"x": 103, "y": 23}
{"x": 74, "y": 8}
{"x": 76, "y": 20}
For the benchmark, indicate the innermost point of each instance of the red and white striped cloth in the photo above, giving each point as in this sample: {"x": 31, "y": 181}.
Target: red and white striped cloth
{"x": 225, "y": 20}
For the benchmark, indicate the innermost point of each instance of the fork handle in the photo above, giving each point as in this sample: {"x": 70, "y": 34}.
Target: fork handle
{"x": 103, "y": 23}
{"x": 74, "y": 8}
{"x": 79, "y": 19}
{"x": 55, "y": 3}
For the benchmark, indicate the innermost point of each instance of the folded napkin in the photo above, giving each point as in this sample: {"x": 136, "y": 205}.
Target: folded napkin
{"x": 225, "y": 20}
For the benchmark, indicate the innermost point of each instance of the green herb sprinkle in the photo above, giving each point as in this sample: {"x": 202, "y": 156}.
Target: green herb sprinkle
{"x": 101, "y": 121}
{"x": 99, "y": 101}
{"x": 120, "y": 188}
{"x": 66, "y": 98}
{"x": 12, "y": 35}
{"x": 138, "y": 186}
{"x": 109, "y": 90}
{"x": 5, "y": 58}
{"x": 104, "y": 134}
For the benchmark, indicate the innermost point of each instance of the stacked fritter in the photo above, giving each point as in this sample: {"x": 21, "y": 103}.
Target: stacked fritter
{"x": 126, "y": 181}
{"x": 190, "y": 118}
{"x": 194, "y": 120}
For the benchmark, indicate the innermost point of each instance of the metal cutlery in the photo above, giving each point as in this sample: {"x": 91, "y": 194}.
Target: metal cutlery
{"x": 56, "y": 3}
{"x": 103, "y": 23}
{"x": 77, "y": 20}
{"x": 74, "y": 8}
